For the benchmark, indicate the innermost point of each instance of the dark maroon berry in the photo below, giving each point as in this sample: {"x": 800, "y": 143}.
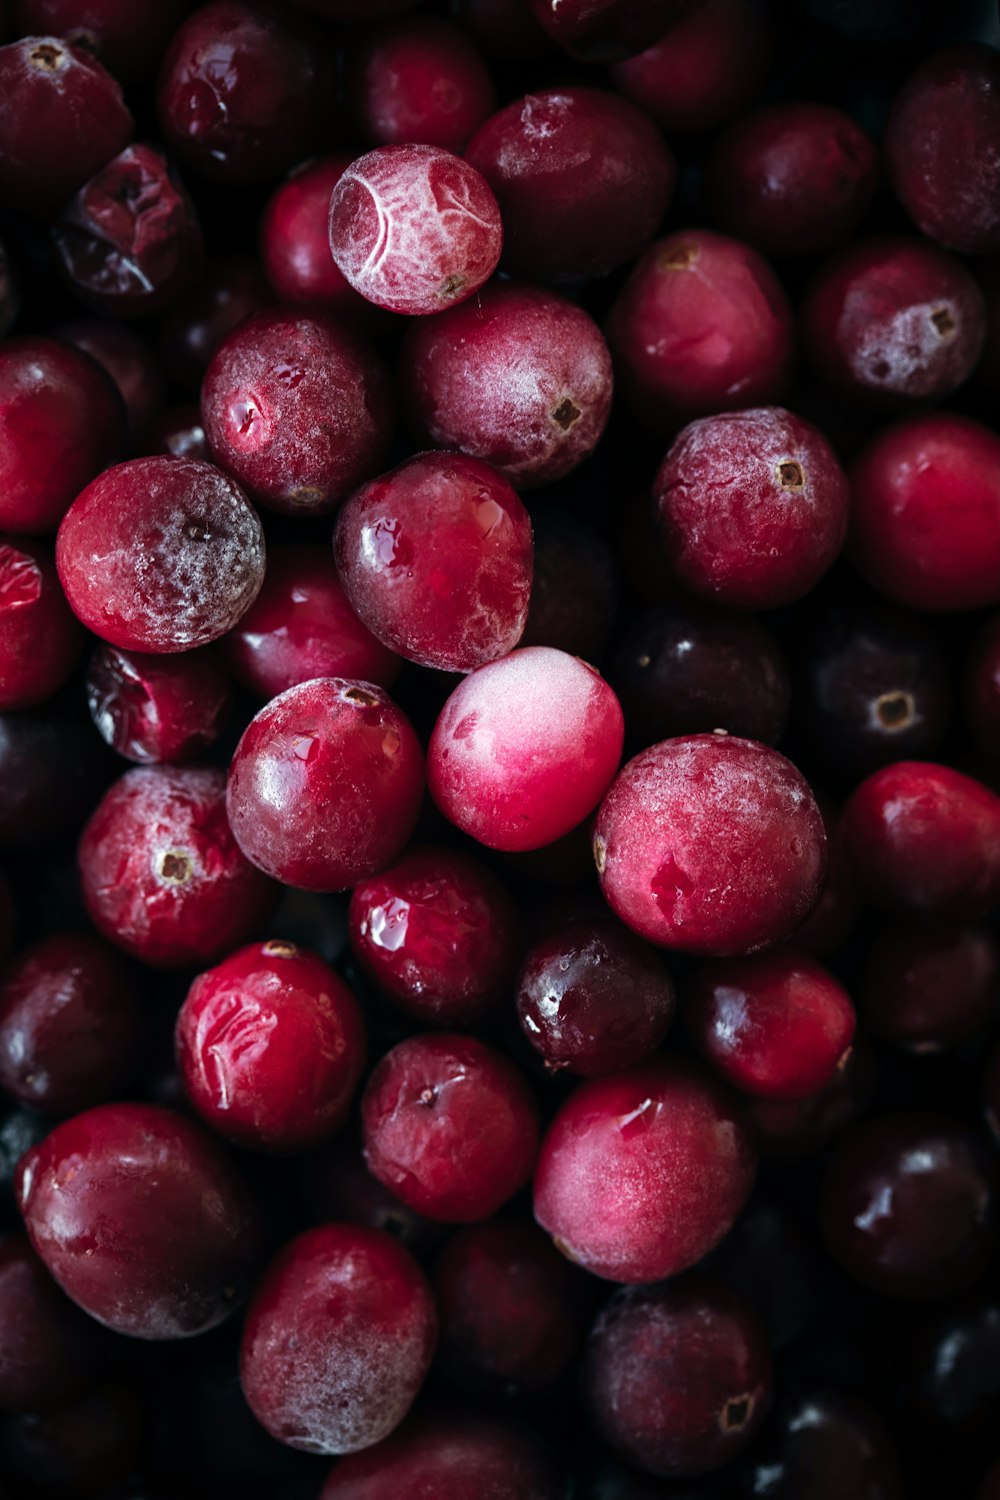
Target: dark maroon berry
{"x": 574, "y": 586}
{"x": 133, "y": 367}
{"x": 929, "y": 987}
{"x": 231, "y": 290}
{"x": 824, "y": 1444}
{"x": 418, "y": 80}
{"x": 48, "y": 1350}
{"x": 605, "y": 30}
{"x": 158, "y": 708}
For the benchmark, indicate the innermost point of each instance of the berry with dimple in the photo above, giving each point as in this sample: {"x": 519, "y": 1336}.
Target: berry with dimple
{"x": 158, "y": 708}
{"x": 160, "y": 554}
{"x": 40, "y": 639}
{"x": 325, "y": 785}
{"x": 711, "y": 845}
{"x": 524, "y": 748}
{"x": 418, "y": 80}
{"x": 642, "y": 1173}
{"x": 436, "y": 559}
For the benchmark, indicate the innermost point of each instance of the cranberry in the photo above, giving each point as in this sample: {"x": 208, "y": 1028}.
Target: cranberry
{"x": 160, "y": 554}
{"x": 793, "y": 178}
{"x": 232, "y": 289}
{"x": 604, "y": 30}
{"x": 824, "y": 1444}
{"x": 420, "y": 81}
{"x": 795, "y": 1128}
{"x": 512, "y": 1311}
{"x": 465, "y": 1458}
{"x": 777, "y": 1025}
{"x": 942, "y": 147}
{"x": 710, "y": 63}
{"x": 677, "y": 1378}
{"x": 925, "y": 518}
{"x": 438, "y": 933}
{"x": 271, "y": 1047}
{"x": 52, "y": 768}
{"x": 141, "y": 1218}
{"x": 594, "y": 999}
{"x": 245, "y": 90}
{"x": 61, "y": 422}
{"x": 325, "y": 785}
{"x": 982, "y": 688}
{"x": 85, "y": 1451}
{"x": 710, "y": 844}
{"x": 414, "y": 228}
{"x": 928, "y": 988}
{"x": 909, "y": 1206}
{"x": 154, "y": 708}
{"x": 297, "y": 410}
{"x": 574, "y": 587}
{"x": 582, "y": 177}
{"x": 518, "y": 377}
{"x": 954, "y": 1381}
{"x": 129, "y": 41}
{"x": 752, "y": 507}
{"x": 689, "y": 670}
{"x": 335, "y": 1184}
{"x": 436, "y": 559}
{"x": 48, "y": 1349}
{"x": 450, "y": 1126}
{"x": 161, "y": 872}
{"x": 894, "y": 318}
{"x": 925, "y": 839}
{"x": 62, "y": 118}
{"x": 39, "y": 638}
{"x": 181, "y": 435}
{"x": 71, "y": 1024}
{"x": 700, "y": 326}
{"x": 133, "y": 368}
{"x": 338, "y": 1339}
{"x": 643, "y": 1172}
{"x": 525, "y": 748}
{"x": 295, "y": 241}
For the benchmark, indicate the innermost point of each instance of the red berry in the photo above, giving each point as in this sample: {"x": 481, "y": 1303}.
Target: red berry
{"x": 295, "y": 241}
{"x": 39, "y": 638}
{"x": 132, "y": 366}
{"x": 604, "y": 30}
{"x": 158, "y": 708}
{"x": 231, "y": 290}
{"x": 419, "y": 81}
{"x": 335, "y": 1184}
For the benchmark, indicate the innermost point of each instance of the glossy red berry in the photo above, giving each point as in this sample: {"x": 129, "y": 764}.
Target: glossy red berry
{"x": 524, "y": 748}
{"x": 583, "y": 180}
{"x": 325, "y": 785}
{"x": 450, "y": 1126}
{"x": 158, "y": 708}
{"x": 924, "y": 988}
{"x": 337, "y": 1340}
{"x": 418, "y": 80}
{"x": 776, "y": 1025}
{"x": 271, "y": 1047}
{"x": 642, "y": 1173}
{"x": 297, "y": 410}
{"x": 439, "y": 934}
{"x": 435, "y": 558}
{"x": 161, "y": 873}
{"x": 295, "y": 241}
{"x": 48, "y": 1350}
{"x": 142, "y": 1219}
{"x": 711, "y": 845}
{"x": 40, "y": 639}
{"x": 604, "y": 30}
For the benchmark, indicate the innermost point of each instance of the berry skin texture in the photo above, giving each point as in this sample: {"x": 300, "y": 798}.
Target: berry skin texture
{"x": 642, "y": 1173}
{"x": 297, "y": 410}
{"x": 752, "y": 507}
{"x": 161, "y": 873}
{"x": 450, "y": 1127}
{"x": 519, "y": 377}
{"x": 337, "y": 1340}
{"x": 942, "y": 148}
{"x": 160, "y": 554}
{"x": 62, "y": 117}
{"x": 49, "y": 1351}
{"x": 701, "y": 325}
{"x": 435, "y": 558}
{"x": 525, "y": 748}
{"x": 583, "y": 180}
{"x": 158, "y": 708}
{"x": 925, "y": 514}
{"x": 295, "y": 241}
{"x": 271, "y": 1047}
{"x": 325, "y": 785}
{"x": 61, "y": 422}
{"x": 40, "y": 639}
{"x": 141, "y": 1218}
{"x": 439, "y": 934}
{"x": 414, "y": 229}
{"x": 923, "y": 839}
{"x": 677, "y": 1378}
{"x": 776, "y": 1025}
{"x": 711, "y": 845}
{"x": 419, "y": 81}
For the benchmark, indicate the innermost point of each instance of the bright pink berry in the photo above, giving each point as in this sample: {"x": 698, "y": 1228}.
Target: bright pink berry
{"x": 418, "y": 80}
{"x": 295, "y": 241}
{"x": 158, "y": 708}
{"x": 711, "y": 845}
{"x": 160, "y": 554}
{"x": 439, "y": 934}
{"x": 40, "y": 639}
{"x": 325, "y": 785}
{"x": 436, "y": 559}
{"x": 162, "y": 875}
{"x": 642, "y": 1173}
{"x": 525, "y": 748}
{"x": 752, "y": 507}
{"x": 414, "y": 229}
{"x": 271, "y": 1047}
{"x": 337, "y": 1340}
{"x": 450, "y": 1126}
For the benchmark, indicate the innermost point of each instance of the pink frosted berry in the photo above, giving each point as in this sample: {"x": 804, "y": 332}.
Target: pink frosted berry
{"x": 436, "y": 559}
{"x": 414, "y": 228}
{"x": 524, "y": 748}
